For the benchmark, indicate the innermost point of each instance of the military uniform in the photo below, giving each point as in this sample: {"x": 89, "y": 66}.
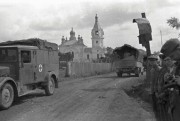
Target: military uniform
{"x": 165, "y": 98}
{"x": 154, "y": 72}
{"x": 172, "y": 105}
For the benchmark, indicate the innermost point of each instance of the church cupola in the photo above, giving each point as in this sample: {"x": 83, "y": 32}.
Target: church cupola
{"x": 72, "y": 32}
{"x": 72, "y": 35}
{"x": 63, "y": 40}
{"x": 97, "y": 34}
{"x": 80, "y": 39}
{"x": 96, "y": 25}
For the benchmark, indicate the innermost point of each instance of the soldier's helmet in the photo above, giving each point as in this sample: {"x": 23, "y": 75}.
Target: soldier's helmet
{"x": 170, "y": 46}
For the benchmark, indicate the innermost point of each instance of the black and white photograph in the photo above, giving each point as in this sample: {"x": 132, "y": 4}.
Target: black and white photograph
{"x": 89, "y": 60}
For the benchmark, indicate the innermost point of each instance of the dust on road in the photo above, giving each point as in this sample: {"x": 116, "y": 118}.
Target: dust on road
{"x": 97, "y": 98}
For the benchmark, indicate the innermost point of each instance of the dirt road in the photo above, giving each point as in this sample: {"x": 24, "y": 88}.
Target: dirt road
{"x": 97, "y": 98}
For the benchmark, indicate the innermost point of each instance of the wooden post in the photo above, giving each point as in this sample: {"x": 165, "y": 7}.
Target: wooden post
{"x": 143, "y": 39}
{"x": 148, "y": 76}
{"x": 148, "y": 51}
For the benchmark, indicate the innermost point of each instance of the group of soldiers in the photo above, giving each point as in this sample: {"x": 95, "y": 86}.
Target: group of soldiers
{"x": 165, "y": 81}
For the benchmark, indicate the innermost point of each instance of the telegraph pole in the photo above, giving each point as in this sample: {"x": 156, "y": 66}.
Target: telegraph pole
{"x": 161, "y": 38}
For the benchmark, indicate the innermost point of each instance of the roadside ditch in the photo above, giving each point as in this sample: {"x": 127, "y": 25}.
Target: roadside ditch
{"x": 141, "y": 93}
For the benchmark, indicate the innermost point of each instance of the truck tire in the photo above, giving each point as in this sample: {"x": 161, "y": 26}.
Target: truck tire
{"x": 137, "y": 72}
{"x": 119, "y": 74}
{"x": 141, "y": 71}
{"x": 6, "y": 96}
{"x": 50, "y": 87}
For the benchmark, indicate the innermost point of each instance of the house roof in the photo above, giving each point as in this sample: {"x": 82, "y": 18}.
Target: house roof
{"x": 20, "y": 46}
{"x": 71, "y": 42}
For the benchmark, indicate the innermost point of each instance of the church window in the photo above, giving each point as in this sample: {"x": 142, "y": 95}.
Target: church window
{"x": 97, "y": 32}
{"x": 87, "y": 56}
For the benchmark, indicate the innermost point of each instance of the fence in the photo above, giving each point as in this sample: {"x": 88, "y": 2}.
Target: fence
{"x": 87, "y": 68}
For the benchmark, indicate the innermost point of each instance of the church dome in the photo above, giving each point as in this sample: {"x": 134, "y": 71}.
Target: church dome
{"x": 72, "y": 32}
{"x": 72, "y": 35}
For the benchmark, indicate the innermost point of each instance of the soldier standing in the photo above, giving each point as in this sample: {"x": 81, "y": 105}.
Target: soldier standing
{"x": 166, "y": 73}
{"x": 172, "y": 49}
{"x": 154, "y": 71}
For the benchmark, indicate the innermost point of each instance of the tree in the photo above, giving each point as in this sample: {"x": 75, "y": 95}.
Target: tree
{"x": 109, "y": 51}
{"x": 109, "y": 54}
{"x": 174, "y": 22}
{"x": 66, "y": 56}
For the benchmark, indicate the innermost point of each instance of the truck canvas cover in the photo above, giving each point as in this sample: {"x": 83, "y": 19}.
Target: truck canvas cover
{"x": 127, "y": 52}
{"x": 41, "y": 44}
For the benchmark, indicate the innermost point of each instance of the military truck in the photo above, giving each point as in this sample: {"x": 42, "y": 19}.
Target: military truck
{"x": 26, "y": 65}
{"x": 128, "y": 60}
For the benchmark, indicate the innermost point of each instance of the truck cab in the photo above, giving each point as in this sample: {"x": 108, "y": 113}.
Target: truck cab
{"x": 24, "y": 68}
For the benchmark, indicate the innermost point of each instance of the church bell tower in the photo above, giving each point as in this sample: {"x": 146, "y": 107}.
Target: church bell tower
{"x": 97, "y": 35}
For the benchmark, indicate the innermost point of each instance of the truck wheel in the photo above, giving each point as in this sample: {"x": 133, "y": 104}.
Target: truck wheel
{"x": 137, "y": 72}
{"x": 119, "y": 74}
{"x": 50, "y": 87}
{"x": 6, "y": 96}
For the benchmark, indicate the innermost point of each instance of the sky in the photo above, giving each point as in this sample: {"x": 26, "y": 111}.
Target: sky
{"x": 52, "y": 19}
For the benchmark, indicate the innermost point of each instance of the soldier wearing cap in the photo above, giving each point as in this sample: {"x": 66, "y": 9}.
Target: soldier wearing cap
{"x": 171, "y": 49}
{"x": 154, "y": 70}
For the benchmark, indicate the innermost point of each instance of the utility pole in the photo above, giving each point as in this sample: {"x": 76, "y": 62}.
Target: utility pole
{"x": 161, "y": 38}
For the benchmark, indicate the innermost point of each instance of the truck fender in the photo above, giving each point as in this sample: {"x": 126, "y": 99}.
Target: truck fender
{"x": 48, "y": 77}
{"x": 3, "y": 80}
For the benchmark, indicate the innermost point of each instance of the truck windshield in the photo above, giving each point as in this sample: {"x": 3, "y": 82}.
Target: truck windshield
{"x": 8, "y": 55}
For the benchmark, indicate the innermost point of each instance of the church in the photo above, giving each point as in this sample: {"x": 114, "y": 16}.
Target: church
{"x": 80, "y": 52}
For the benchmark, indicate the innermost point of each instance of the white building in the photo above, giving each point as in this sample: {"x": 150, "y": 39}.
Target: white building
{"x": 81, "y": 52}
